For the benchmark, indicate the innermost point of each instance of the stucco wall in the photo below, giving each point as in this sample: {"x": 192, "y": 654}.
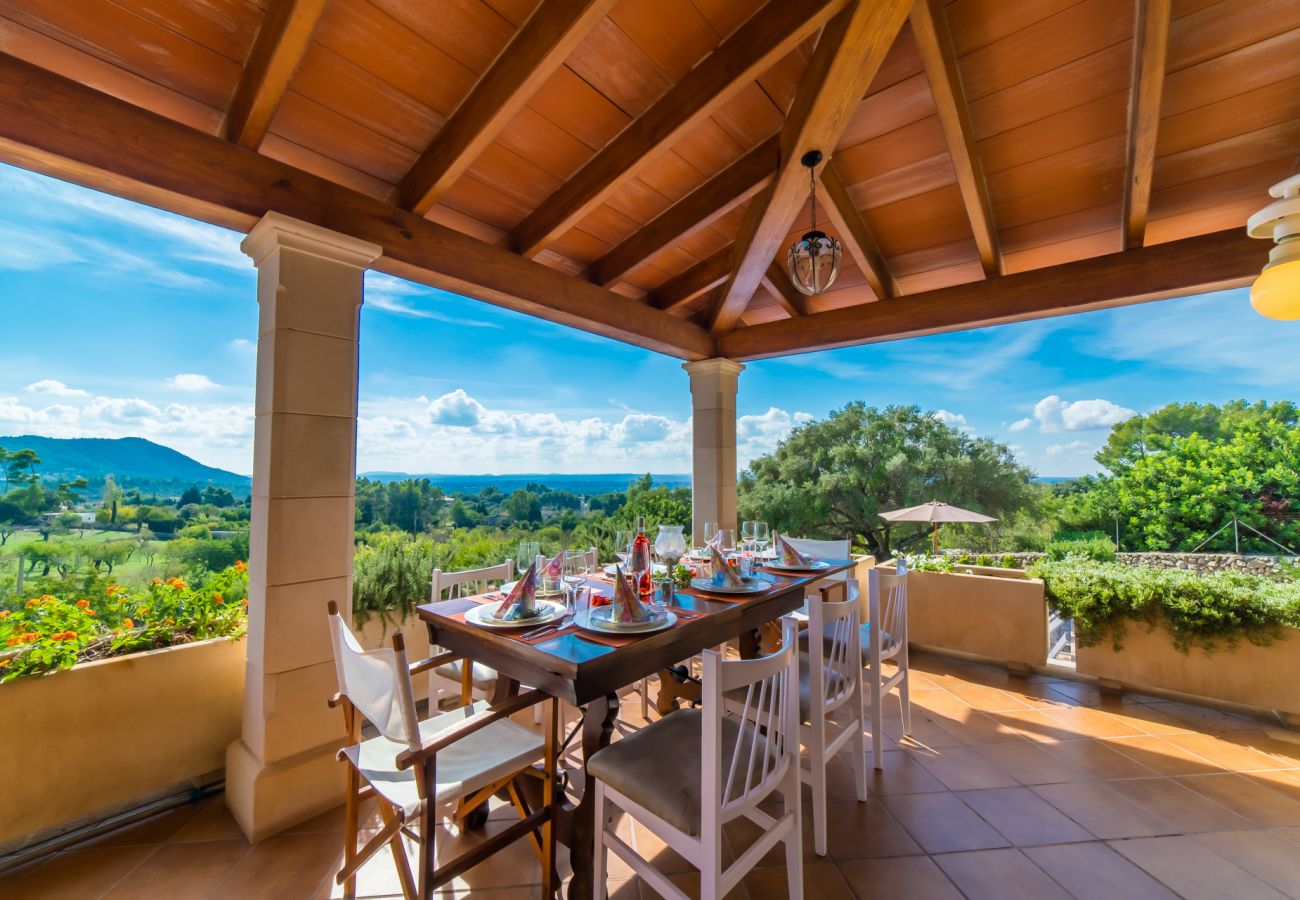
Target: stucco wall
{"x": 104, "y": 733}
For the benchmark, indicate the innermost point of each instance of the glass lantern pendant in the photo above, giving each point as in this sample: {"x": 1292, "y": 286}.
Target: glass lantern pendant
{"x": 1276, "y": 292}
{"x": 815, "y": 258}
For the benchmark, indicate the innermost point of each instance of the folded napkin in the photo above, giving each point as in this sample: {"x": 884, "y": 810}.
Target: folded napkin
{"x": 724, "y": 573}
{"x": 788, "y": 555}
{"x": 555, "y": 567}
{"x": 628, "y": 608}
{"x": 521, "y": 602}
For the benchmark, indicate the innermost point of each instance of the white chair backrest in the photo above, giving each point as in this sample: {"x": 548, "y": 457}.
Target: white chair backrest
{"x": 824, "y": 550}
{"x": 838, "y": 656}
{"x": 468, "y": 583}
{"x": 893, "y": 609}
{"x": 377, "y": 683}
{"x": 769, "y": 725}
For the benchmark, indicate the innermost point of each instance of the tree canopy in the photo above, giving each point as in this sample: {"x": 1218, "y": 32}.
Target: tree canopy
{"x": 831, "y": 478}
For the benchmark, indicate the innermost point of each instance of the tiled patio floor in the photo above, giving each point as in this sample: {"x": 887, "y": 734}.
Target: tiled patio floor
{"x": 1011, "y": 787}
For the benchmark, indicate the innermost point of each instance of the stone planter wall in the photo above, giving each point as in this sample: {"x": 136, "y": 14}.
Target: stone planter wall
{"x": 1263, "y": 678}
{"x": 101, "y": 734}
{"x": 1200, "y": 563}
{"x": 993, "y": 614}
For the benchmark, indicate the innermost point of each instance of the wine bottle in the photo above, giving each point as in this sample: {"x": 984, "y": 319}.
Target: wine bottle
{"x": 640, "y": 562}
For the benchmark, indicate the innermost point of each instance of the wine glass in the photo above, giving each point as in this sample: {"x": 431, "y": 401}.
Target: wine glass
{"x": 528, "y": 553}
{"x": 762, "y": 536}
{"x": 710, "y": 530}
{"x": 623, "y": 546}
{"x": 728, "y": 542}
{"x": 747, "y": 535}
{"x": 576, "y": 570}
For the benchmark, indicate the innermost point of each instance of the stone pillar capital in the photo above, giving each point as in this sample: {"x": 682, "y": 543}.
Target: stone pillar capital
{"x": 276, "y": 230}
{"x": 718, "y": 365}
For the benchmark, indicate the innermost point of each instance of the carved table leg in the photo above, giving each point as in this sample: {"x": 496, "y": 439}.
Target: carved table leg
{"x": 582, "y": 828}
{"x": 671, "y": 690}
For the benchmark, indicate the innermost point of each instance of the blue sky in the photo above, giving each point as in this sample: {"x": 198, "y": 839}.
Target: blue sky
{"x": 119, "y": 320}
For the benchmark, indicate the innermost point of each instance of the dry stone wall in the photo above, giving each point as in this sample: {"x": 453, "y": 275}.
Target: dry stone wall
{"x": 1200, "y": 563}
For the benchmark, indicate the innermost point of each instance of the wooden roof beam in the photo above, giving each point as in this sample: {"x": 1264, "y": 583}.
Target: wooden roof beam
{"x": 54, "y": 125}
{"x": 736, "y": 184}
{"x": 853, "y": 229}
{"x": 849, "y": 53}
{"x": 777, "y": 282}
{"x": 1150, "y": 43}
{"x": 277, "y": 52}
{"x": 539, "y": 48}
{"x": 703, "y": 276}
{"x": 1193, "y": 265}
{"x": 771, "y": 33}
{"x": 934, "y": 42}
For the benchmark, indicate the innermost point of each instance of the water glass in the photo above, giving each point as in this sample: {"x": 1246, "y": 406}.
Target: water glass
{"x": 762, "y": 536}
{"x": 747, "y": 535}
{"x": 578, "y": 602}
{"x": 528, "y": 553}
{"x": 623, "y": 546}
{"x": 710, "y": 529}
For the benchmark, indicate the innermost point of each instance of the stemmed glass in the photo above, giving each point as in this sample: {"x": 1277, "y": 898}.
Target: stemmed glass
{"x": 747, "y": 536}
{"x": 762, "y": 537}
{"x": 528, "y": 553}
{"x": 576, "y": 569}
{"x": 623, "y": 546}
{"x": 710, "y": 529}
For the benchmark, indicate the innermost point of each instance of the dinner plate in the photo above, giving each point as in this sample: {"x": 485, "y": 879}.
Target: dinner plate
{"x": 814, "y": 566}
{"x": 483, "y": 615}
{"x": 510, "y": 586}
{"x": 597, "y": 620}
{"x": 753, "y": 586}
{"x": 655, "y": 569}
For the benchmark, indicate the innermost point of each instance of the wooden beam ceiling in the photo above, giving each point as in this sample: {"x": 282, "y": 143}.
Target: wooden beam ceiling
{"x": 1150, "y": 46}
{"x": 849, "y": 53}
{"x": 704, "y": 275}
{"x": 856, "y": 235}
{"x": 54, "y": 125}
{"x": 771, "y": 33}
{"x": 531, "y": 57}
{"x": 735, "y": 184}
{"x": 777, "y": 282}
{"x": 934, "y": 43}
{"x": 1205, "y": 263}
{"x": 277, "y": 52}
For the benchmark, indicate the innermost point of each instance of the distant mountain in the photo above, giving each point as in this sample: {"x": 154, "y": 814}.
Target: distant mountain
{"x": 133, "y": 462}
{"x": 582, "y": 484}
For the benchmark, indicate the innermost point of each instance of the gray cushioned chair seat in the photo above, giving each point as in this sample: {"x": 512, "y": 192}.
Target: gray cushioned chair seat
{"x": 658, "y": 767}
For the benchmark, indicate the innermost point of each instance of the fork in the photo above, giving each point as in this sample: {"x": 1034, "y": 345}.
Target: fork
{"x": 545, "y": 629}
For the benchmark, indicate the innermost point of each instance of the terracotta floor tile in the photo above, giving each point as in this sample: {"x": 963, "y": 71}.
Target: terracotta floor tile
{"x": 862, "y": 830}
{"x": 927, "y": 730}
{"x": 1205, "y": 718}
{"x": 1181, "y": 806}
{"x": 963, "y": 769}
{"x": 1094, "y": 871}
{"x": 740, "y": 834}
{"x": 1162, "y": 755}
{"x": 1284, "y": 781}
{"x": 1031, "y": 763}
{"x": 1035, "y": 725}
{"x": 904, "y": 876}
{"x": 901, "y": 774}
{"x": 181, "y": 871}
{"x": 1232, "y": 753}
{"x": 982, "y": 728}
{"x": 153, "y": 830}
{"x": 998, "y": 874}
{"x": 987, "y": 699}
{"x": 820, "y": 880}
{"x": 1247, "y": 797}
{"x": 1100, "y": 760}
{"x": 74, "y": 874}
{"x": 1269, "y": 857}
{"x": 1023, "y": 817}
{"x": 1103, "y": 810}
{"x": 941, "y": 823}
{"x": 1085, "y": 721}
{"x": 1185, "y": 866}
{"x": 281, "y": 867}
{"x": 212, "y": 823}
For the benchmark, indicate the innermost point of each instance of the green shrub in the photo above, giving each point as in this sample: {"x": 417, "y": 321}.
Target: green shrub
{"x": 984, "y": 559}
{"x": 1096, "y": 547}
{"x": 1007, "y": 561}
{"x": 1199, "y": 610}
{"x": 963, "y": 558}
{"x": 923, "y": 562}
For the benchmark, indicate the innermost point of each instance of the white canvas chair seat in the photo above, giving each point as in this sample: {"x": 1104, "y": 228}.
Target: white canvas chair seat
{"x": 478, "y": 760}
{"x": 651, "y": 767}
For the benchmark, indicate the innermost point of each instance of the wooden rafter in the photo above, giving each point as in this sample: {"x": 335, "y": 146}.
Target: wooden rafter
{"x": 735, "y": 184}
{"x": 1150, "y": 43}
{"x": 705, "y": 275}
{"x": 934, "y": 43}
{"x": 60, "y": 127}
{"x": 777, "y": 282}
{"x": 277, "y": 52}
{"x": 853, "y": 229}
{"x": 771, "y": 33}
{"x": 541, "y": 46}
{"x": 849, "y": 53}
{"x": 1205, "y": 263}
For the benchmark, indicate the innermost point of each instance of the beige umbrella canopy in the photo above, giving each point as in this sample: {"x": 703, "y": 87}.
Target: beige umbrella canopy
{"x": 936, "y": 513}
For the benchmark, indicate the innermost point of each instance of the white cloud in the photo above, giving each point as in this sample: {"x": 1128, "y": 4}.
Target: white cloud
{"x": 1074, "y": 448}
{"x": 635, "y": 429}
{"x": 457, "y": 409}
{"x": 242, "y": 345}
{"x": 954, "y": 420}
{"x": 55, "y": 389}
{"x": 191, "y": 381}
{"x": 1054, "y": 414}
{"x": 24, "y": 250}
{"x": 395, "y": 296}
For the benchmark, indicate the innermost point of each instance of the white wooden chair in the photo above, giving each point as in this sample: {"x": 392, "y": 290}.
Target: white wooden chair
{"x": 454, "y": 674}
{"x": 831, "y": 711}
{"x": 649, "y": 775}
{"x": 886, "y": 639}
{"x": 445, "y": 766}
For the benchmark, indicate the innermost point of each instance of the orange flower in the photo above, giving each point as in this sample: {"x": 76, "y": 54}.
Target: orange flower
{"x": 83, "y": 603}
{"x": 4, "y": 613}
{"x": 91, "y": 613}
{"x": 13, "y": 640}
{"x": 31, "y": 637}
{"x": 47, "y": 598}
{"x": 243, "y": 602}
{"x": 156, "y": 581}
{"x": 32, "y": 604}
{"x": 219, "y": 600}
{"x": 5, "y": 662}
{"x": 128, "y": 623}
{"x": 241, "y": 566}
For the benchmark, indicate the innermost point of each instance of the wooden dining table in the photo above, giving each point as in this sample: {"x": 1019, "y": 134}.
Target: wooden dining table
{"x": 588, "y": 672}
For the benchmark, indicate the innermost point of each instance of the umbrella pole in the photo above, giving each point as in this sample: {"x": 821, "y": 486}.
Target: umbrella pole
{"x": 935, "y": 540}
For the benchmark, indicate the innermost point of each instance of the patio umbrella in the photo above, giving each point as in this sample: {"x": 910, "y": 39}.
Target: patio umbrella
{"x": 936, "y": 513}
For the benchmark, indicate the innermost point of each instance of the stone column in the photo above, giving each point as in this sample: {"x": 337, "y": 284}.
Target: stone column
{"x": 713, "y": 418}
{"x": 282, "y": 770}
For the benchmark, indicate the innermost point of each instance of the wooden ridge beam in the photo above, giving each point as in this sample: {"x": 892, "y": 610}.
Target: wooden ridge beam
{"x": 934, "y": 43}
{"x": 735, "y": 184}
{"x": 54, "y": 125}
{"x": 1208, "y": 262}
{"x": 277, "y": 52}
{"x": 1150, "y": 46}
{"x": 705, "y": 275}
{"x": 848, "y": 55}
{"x": 853, "y": 228}
{"x": 777, "y": 282}
{"x": 768, "y": 35}
{"x": 539, "y": 48}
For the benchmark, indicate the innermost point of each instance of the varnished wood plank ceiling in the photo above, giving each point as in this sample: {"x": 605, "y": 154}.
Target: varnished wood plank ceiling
{"x": 648, "y": 148}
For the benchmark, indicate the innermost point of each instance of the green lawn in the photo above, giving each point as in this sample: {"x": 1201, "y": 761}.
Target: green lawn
{"x": 134, "y": 569}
